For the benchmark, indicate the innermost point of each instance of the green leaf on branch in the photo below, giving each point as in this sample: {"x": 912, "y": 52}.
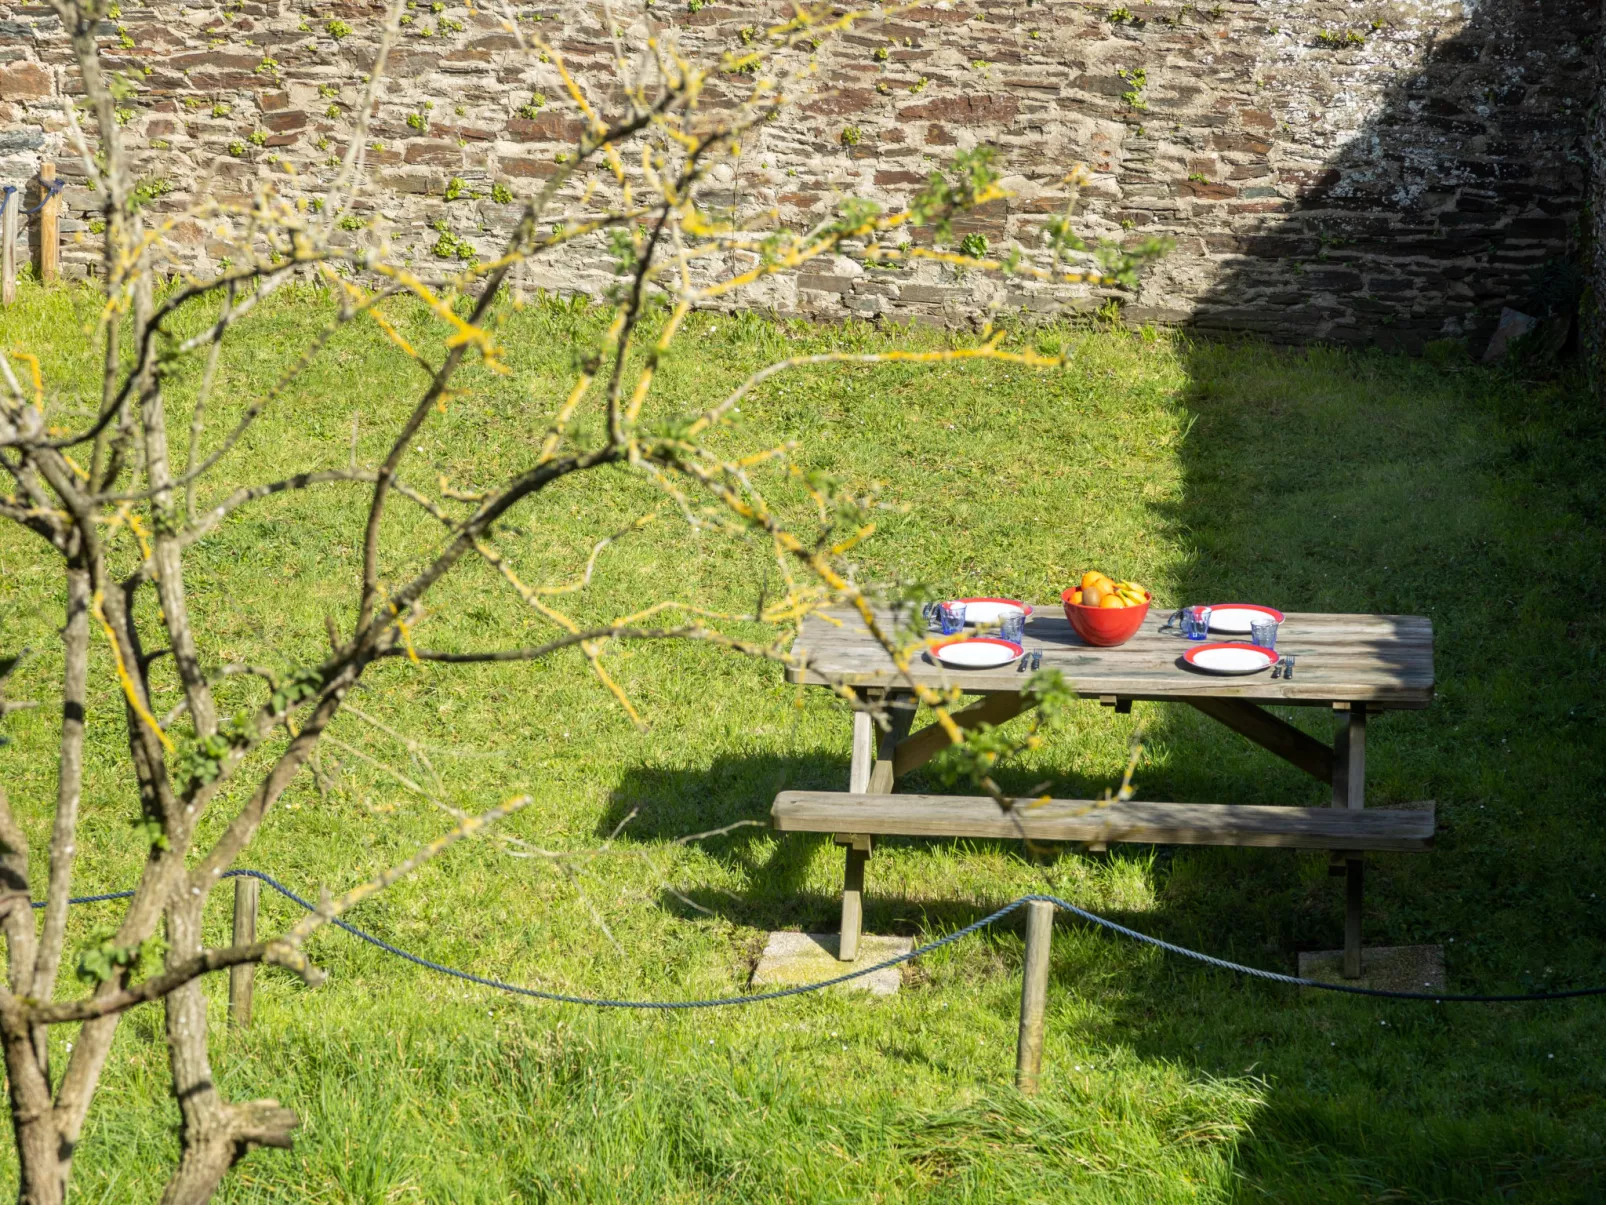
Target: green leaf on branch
{"x": 986, "y": 746}
{"x": 102, "y": 958}
{"x": 950, "y": 192}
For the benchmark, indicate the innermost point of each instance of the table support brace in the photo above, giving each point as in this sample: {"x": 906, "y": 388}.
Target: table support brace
{"x": 924, "y": 745}
{"x": 1272, "y": 733}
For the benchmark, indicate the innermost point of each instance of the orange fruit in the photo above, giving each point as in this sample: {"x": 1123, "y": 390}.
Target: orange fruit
{"x": 1090, "y": 578}
{"x": 1111, "y": 600}
{"x": 1076, "y": 597}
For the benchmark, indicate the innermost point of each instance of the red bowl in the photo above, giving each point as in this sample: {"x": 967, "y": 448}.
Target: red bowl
{"x": 1105, "y": 626}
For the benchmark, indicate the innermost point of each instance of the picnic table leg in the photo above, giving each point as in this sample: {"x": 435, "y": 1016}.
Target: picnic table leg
{"x": 858, "y": 853}
{"x": 870, "y": 772}
{"x": 1349, "y": 791}
{"x": 856, "y": 847}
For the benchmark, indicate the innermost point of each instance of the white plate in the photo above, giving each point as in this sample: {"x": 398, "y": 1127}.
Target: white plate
{"x": 1235, "y": 618}
{"x": 979, "y": 652}
{"x": 991, "y": 610}
{"x": 1230, "y": 658}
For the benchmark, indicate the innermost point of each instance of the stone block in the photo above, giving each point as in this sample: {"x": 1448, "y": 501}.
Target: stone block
{"x": 795, "y": 959}
{"x": 826, "y": 284}
{"x": 1383, "y": 968}
{"x": 24, "y": 81}
{"x": 438, "y": 154}
{"x": 919, "y": 294}
{"x": 21, "y": 140}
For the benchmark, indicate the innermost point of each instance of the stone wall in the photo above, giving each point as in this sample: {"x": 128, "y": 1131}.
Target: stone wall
{"x": 1366, "y": 171}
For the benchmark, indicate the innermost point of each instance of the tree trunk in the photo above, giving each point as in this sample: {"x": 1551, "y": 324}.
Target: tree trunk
{"x": 214, "y": 1134}
{"x": 69, "y": 789}
{"x": 44, "y": 1158}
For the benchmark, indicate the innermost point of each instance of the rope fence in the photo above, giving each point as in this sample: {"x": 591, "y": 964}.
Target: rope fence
{"x": 49, "y": 190}
{"x": 930, "y": 947}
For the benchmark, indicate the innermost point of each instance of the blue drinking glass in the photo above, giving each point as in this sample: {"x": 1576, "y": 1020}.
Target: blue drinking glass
{"x": 951, "y": 615}
{"x": 1196, "y": 623}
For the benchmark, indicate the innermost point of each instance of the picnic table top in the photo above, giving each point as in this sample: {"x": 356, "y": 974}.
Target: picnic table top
{"x": 1384, "y": 660}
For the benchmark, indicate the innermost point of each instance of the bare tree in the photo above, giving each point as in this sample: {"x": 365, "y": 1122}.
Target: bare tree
{"x": 119, "y": 509}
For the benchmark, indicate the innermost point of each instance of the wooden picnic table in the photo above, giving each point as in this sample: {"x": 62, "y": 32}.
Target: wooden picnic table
{"x": 1355, "y": 665}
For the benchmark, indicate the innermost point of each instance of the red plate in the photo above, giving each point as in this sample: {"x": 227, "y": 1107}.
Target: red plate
{"x": 1230, "y": 657}
{"x": 1238, "y": 624}
{"x": 1025, "y": 608}
{"x": 976, "y": 652}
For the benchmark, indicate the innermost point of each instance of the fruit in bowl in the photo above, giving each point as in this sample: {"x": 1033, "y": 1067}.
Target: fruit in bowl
{"x": 1106, "y": 612}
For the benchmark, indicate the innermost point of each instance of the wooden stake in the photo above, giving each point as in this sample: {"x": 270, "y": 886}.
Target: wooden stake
{"x": 1034, "y": 994}
{"x": 49, "y": 227}
{"x": 8, "y": 250}
{"x": 242, "y": 978}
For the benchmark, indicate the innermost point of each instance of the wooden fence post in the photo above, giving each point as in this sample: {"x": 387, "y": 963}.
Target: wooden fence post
{"x": 8, "y": 249}
{"x": 49, "y": 227}
{"x": 1034, "y": 994}
{"x": 242, "y": 978}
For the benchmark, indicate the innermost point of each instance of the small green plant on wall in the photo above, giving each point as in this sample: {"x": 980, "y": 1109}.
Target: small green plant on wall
{"x": 851, "y": 136}
{"x": 449, "y": 246}
{"x": 1136, "y": 80}
{"x": 1337, "y": 39}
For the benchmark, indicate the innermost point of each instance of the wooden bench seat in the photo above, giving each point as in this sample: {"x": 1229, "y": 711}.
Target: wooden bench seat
{"x": 1346, "y": 829}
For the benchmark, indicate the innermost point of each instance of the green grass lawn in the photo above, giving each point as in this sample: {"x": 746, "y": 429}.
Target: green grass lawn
{"x": 1312, "y": 480}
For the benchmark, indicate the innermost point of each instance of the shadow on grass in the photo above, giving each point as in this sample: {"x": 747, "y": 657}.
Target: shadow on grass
{"x": 1342, "y": 482}
{"x": 1476, "y": 500}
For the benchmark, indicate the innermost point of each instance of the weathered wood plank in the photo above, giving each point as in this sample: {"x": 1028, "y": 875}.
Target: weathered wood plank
{"x": 1087, "y": 820}
{"x": 1272, "y": 733}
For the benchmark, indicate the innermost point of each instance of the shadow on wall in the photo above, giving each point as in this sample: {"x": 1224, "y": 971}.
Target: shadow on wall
{"x": 1443, "y": 208}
